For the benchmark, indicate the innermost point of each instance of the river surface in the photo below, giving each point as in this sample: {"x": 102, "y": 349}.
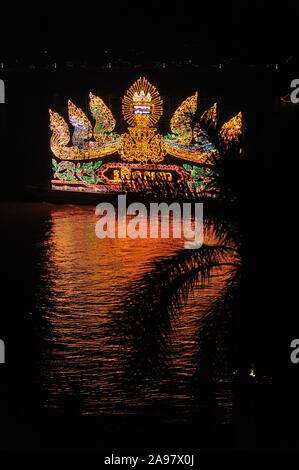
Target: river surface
{"x": 69, "y": 288}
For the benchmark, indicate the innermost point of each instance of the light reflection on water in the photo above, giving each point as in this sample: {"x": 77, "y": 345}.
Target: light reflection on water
{"x": 84, "y": 282}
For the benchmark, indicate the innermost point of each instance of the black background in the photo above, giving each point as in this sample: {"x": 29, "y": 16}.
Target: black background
{"x": 247, "y": 38}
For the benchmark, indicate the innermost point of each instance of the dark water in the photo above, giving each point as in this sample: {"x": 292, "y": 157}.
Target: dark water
{"x": 71, "y": 289}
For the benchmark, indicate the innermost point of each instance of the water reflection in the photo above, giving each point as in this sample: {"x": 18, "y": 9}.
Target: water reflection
{"x": 101, "y": 356}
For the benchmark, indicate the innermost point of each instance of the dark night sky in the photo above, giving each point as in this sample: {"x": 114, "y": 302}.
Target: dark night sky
{"x": 253, "y": 32}
{"x": 250, "y": 30}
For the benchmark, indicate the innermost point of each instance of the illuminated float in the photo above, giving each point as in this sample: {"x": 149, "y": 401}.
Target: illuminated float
{"x": 101, "y": 160}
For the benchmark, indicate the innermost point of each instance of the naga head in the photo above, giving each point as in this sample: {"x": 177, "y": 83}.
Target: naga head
{"x": 59, "y": 128}
{"x": 105, "y": 122}
{"x": 80, "y": 122}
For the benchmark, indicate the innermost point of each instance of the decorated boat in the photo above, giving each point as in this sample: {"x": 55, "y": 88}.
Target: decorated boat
{"x": 95, "y": 158}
